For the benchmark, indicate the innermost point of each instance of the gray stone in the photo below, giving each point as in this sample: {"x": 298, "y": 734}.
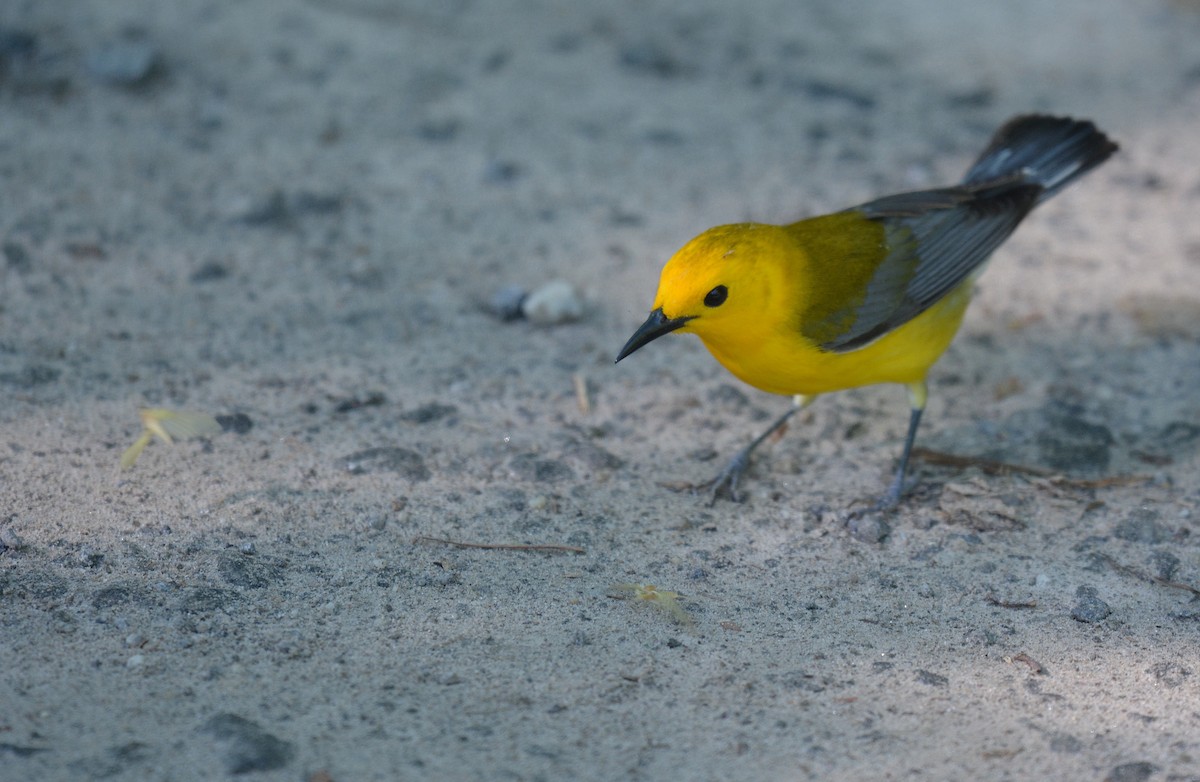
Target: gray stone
{"x": 1131, "y": 772}
{"x": 1089, "y": 607}
{"x": 246, "y": 746}
{"x": 406, "y": 462}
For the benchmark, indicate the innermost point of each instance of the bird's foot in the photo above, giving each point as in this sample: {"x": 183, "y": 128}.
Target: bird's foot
{"x": 725, "y": 484}
{"x": 870, "y": 524}
{"x": 891, "y": 497}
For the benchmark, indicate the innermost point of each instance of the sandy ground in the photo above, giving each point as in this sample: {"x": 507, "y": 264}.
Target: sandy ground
{"x": 297, "y": 211}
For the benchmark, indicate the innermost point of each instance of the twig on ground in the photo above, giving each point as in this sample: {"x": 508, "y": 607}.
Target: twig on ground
{"x": 581, "y": 393}
{"x": 501, "y": 546}
{"x": 993, "y": 600}
{"x": 1131, "y": 571}
{"x": 1033, "y": 664}
{"x": 1099, "y": 483}
{"x": 990, "y": 466}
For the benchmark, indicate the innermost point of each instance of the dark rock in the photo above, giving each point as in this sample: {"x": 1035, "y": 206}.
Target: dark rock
{"x": 868, "y": 527}
{"x": 1131, "y": 772}
{"x": 932, "y": 679}
{"x": 507, "y": 302}
{"x": 210, "y": 271}
{"x": 238, "y": 423}
{"x": 373, "y": 399}
{"x": 9, "y": 539}
{"x": 247, "y": 747}
{"x": 19, "y": 750}
{"x": 425, "y": 414}
{"x": 1089, "y": 607}
{"x": 387, "y": 459}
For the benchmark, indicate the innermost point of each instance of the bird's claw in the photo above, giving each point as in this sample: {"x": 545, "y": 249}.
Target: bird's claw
{"x": 885, "y": 504}
{"x": 726, "y": 482}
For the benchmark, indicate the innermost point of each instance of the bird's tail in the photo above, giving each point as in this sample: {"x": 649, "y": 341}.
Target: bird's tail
{"x": 1047, "y": 151}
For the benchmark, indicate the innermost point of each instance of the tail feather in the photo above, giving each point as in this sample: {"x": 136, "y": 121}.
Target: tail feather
{"x": 1050, "y": 152}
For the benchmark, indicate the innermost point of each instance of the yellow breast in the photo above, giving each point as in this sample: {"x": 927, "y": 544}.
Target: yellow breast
{"x": 786, "y": 363}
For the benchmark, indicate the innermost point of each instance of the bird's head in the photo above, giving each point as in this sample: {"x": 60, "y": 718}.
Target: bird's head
{"x": 719, "y": 286}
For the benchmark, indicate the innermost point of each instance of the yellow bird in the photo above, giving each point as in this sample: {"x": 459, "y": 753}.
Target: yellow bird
{"x": 872, "y": 294}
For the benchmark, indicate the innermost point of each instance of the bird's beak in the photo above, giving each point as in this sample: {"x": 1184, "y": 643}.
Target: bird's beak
{"x": 655, "y": 326}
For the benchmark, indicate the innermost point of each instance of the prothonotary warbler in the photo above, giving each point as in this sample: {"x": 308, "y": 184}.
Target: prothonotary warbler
{"x": 872, "y": 294}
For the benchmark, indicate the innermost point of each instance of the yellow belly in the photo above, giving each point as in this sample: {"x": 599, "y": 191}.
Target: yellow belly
{"x": 789, "y": 364}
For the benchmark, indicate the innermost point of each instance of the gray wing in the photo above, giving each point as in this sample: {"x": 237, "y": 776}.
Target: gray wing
{"x": 935, "y": 239}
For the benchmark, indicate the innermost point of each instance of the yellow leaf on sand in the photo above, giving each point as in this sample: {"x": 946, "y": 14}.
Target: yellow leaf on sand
{"x": 168, "y": 425}
{"x": 667, "y": 601}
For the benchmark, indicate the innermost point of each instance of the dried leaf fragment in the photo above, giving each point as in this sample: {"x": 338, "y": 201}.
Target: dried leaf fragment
{"x": 168, "y": 426}
{"x": 667, "y": 601}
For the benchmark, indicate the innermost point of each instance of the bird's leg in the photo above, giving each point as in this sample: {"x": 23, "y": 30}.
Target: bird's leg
{"x": 917, "y": 394}
{"x": 727, "y": 480}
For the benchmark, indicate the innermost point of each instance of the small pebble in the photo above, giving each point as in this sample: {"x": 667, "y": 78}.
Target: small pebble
{"x": 932, "y": 679}
{"x": 136, "y": 661}
{"x": 10, "y": 539}
{"x": 88, "y": 557}
{"x": 246, "y": 746}
{"x": 554, "y": 303}
{"x": 506, "y": 302}
{"x": 135, "y": 640}
{"x": 1132, "y": 772}
{"x": 1089, "y": 607}
{"x": 868, "y": 528}
{"x": 238, "y": 423}
{"x": 123, "y": 63}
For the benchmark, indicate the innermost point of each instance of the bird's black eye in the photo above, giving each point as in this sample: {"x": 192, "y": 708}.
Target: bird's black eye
{"x": 716, "y": 297}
